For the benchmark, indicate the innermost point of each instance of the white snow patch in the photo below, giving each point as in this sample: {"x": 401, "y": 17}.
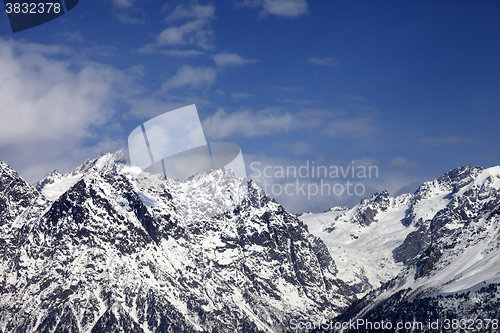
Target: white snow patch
{"x": 53, "y": 191}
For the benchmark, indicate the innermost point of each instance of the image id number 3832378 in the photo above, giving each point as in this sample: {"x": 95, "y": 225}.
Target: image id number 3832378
{"x": 33, "y": 8}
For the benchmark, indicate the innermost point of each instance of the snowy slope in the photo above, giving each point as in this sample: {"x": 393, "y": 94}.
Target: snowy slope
{"x": 373, "y": 241}
{"x": 363, "y": 254}
{"x": 114, "y": 253}
{"x": 100, "y": 250}
{"x": 54, "y": 184}
{"x": 451, "y": 258}
{"x": 466, "y": 236}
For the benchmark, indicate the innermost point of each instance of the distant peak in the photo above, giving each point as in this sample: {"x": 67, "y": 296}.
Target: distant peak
{"x": 337, "y": 209}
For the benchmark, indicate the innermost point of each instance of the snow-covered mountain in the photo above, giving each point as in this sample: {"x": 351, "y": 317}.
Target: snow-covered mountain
{"x": 97, "y": 250}
{"x": 363, "y": 238}
{"x": 436, "y": 251}
{"x": 104, "y": 249}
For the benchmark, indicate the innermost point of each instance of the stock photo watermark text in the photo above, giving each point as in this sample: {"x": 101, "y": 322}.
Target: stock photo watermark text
{"x": 313, "y": 180}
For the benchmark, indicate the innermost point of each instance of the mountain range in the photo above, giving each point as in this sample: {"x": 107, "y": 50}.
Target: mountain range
{"x": 422, "y": 258}
{"x": 104, "y": 249}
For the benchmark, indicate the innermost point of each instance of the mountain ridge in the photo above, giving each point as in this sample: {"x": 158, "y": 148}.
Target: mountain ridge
{"x": 110, "y": 253}
{"x": 105, "y": 249}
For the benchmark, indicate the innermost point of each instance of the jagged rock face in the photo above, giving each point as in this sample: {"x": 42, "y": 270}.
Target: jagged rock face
{"x": 97, "y": 250}
{"x": 362, "y": 239}
{"x": 439, "y": 190}
{"x": 413, "y": 235}
{"x": 111, "y": 254}
{"x": 336, "y": 209}
{"x": 20, "y": 205}
{"x": 475, "y": 311}
{"x": 365, "y": 213}
{"x": 452, "y": 259}
{"x": 15, "y": 195}
{"x": 463, "y": 199}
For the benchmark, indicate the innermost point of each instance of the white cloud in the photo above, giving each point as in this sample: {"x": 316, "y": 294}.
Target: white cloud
{"x": 231, "y": 59}
{"x": 51, "y": 107}
{"x": 127, "y": 18}
{"x": 325, "y": 62}
{"x": 155, "y": 49}
{"x": 351, "y": 127}
{"x": 123, "y": 3}
{"x": 283, "y": 8}
{"x": 149, "y": 107}
{"x": 402, "y": 163}
{"x": 45, "y": 100}
{"x": 194, "y": 12}
{"x": 129, "y": 12}
{"x": 196, "y": 30}
{"x": 247, "y": 123}
{"x": 194, "y": 77}
{"x": 268, "y": 121}
{"x": 286, "y": 8}
{"x": 74, "y": 36}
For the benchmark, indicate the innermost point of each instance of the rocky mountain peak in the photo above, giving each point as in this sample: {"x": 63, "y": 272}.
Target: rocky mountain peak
{"x": 337, "y": 209}
{"x": 110, "y": 251}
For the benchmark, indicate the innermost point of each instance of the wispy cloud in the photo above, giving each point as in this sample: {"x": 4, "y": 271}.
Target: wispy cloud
{"x": 447, "y": 140}
{"x": 231, "y": 59}
{"x": 156, "y": 49}
{"x": 196, "y": 29}
{"x": 286, "y": 8}
{"x": 193, "y": 12}
{"x": 248, "y": 123}
{"x": 402, "y": 163}
{"x": 74, "y": 36}
{"x": 351, "y": 127}
{"x": 283, "y": 8}
{"x": 193, "y": 77}
{"x": 129, "y": 12}
{"x": 54, "y": 103}
{"x": 54, "y": 88}
{"x": 123, "y": 3}
{"x": 127, "y": 18}
{"x": 325, "y": 62}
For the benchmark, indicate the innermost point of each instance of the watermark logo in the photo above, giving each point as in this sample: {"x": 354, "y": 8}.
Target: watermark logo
{"x": 28, "y": 14}
{"x": 174, "y": 144}
{"x": 310, "y": 180}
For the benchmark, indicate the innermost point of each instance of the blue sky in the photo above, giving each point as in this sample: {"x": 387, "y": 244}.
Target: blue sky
{"x": 411, "y": 87}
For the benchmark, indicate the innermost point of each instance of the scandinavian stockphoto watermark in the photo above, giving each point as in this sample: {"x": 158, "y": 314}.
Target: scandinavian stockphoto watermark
{"x": 312, "y": 180}
{"x": 431, "y": 325}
